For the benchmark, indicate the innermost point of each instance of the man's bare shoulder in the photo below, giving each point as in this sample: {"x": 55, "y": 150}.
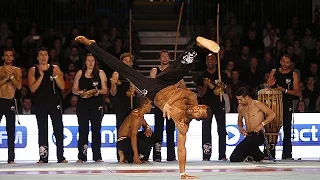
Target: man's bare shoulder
{"x": 135, "y": 113}
{"x": 240, "y": 107}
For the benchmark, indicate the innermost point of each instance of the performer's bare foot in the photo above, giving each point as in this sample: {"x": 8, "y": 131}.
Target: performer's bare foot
{"x": 122, "y": 159}
{"x": 64, "y": 161}
{"x": 12, "y": 162}
{"x": 186, "y": 176}
{"x": 40, "y": 162}
{"x": 208, "y": 44}
{"x": 99, "y": 160}
{"x": 79, "y": 161}
{"x": 84, "y": 40}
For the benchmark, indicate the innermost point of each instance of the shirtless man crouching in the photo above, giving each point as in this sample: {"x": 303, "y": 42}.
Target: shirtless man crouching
{"x": 10, "y": 80}
{"x": 253, "y": 112}
{"x": 135, "y": 146}
{"x": 182, "y": 106}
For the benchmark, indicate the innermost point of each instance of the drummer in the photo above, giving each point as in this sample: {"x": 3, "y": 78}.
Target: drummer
{"x": 253, "y": 112}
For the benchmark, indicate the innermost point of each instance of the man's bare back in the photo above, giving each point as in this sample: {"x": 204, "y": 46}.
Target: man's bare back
{"x": 252, "y": 114}
{"x": 7, "y": 89}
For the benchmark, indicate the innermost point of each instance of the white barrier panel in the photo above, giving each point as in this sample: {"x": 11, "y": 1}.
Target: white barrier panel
{"x": 305, "y": 143}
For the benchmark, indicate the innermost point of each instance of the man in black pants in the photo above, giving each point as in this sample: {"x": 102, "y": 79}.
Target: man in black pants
{"x": 248, "y": 148}
{"x": 134, "y": 145}
{"x": 287, "y": 81}
{"x": 164, "y": 58}
{"x": 217, "y": 106}
{"x": 170, "y": 76}
{"x": 10, "y": 81}
{"x": 121, "y": 92}
{"x": 46, "y": 82}
{"x": 91, "y": 84}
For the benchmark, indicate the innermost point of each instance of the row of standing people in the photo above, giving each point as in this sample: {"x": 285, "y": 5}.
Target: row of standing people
{"x": 46, "y": 82}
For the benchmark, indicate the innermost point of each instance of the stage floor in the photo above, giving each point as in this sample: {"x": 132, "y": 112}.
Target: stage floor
{"x": 162, "y": 171}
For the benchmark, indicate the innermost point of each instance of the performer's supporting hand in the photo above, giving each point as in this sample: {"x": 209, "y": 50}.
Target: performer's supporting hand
{"x": 186, "y": 176}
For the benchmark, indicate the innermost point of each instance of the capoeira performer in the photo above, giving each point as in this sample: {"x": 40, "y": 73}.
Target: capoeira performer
{"x": 181, "y": 104}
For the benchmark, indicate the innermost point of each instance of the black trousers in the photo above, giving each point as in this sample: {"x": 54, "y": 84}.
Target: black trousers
{"x": 94, "y": 114}
{"x": 220, "y": 116}
{"x": 287, "y": 119}
{"x": 249, "y": 146}
{"x": 7, "y": 108}
{"x": 170, "y": 76}
{"x": 158, "y": 136}
{"x": 42, "y": 111}
{"x": 144, "y": 144}
{"x": 121, "y": 115}
{"x": 287, "y": 144}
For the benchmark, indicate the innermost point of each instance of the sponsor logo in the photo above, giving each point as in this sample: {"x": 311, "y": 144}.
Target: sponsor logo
{"x": 20, "y": 140}
{"x": 302, "y": 135}
{"x": 108, "y": 137}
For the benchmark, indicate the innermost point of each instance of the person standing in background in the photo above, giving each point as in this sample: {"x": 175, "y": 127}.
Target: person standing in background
{"x": 10, "y": 80}
{"x": 217, "y": 107}
{"x": 46, "y": 82}
{"x": 121, "y": 92}
{"x": 91, "y": 84}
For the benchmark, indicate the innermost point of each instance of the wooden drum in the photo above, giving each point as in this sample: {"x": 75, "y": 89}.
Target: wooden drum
{"x": 273, "y": 99}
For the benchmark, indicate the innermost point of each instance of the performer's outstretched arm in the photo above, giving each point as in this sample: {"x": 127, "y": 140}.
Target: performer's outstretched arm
{"x": 182, "y": 157}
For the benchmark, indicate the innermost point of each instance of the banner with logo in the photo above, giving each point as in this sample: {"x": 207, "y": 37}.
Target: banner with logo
{"x": 305, "y": 138}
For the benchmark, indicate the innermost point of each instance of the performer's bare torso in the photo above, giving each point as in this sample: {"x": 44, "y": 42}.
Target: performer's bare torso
{"x": 178, "y": 108}
{"x": 7, "y": 90}
{"x": 252, "y": 115}
{"x": 125, "y": 129}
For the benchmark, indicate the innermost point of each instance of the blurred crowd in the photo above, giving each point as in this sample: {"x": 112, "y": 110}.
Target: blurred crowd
{"x": 247, "y": 55}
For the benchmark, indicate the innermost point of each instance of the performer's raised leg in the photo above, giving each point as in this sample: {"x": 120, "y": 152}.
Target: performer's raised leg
{"x": 172, "y": 75}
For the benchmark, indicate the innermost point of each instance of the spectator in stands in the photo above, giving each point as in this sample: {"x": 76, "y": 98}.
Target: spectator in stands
{"x": 242, "y": 62}
{"x": 234, "y": 85}
{"x": 252, "y": 76}
{"x": 72, "y": 109}
{"x": 26, "y": 107}
{"x": 268, "y": 62}
{"x": 270, "y": 40}
{"x": 301, "y": 107}
{"x": 229, "y": 68}
{"x": 311, "y": 92}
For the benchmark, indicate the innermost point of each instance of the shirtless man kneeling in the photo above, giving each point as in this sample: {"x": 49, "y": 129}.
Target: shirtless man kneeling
{"x": 253, "y": 112}
{"x": 135, "y": 146}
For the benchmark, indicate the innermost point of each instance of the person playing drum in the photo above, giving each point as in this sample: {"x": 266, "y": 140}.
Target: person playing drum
{"x": 286, "y": 81}
{"x": 253, "y": 112}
